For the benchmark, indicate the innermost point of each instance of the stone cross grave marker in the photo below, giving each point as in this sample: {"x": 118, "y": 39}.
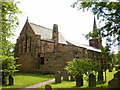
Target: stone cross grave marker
{"x": 58, "y": 77}
{"x": 65, "y": 75}
{"x": 48, "y": 87}
{"x": 79, "y": 80}
{"x": 92, "y": 80}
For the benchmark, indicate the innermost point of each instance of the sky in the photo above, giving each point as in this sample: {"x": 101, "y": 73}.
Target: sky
{"x": 72, "y": 23}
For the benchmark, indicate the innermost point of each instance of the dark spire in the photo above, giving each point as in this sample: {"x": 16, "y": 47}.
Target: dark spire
{"x": 94, "y": 25}
{"x": 27, "y": 18}
{"x": 95, "y": 29}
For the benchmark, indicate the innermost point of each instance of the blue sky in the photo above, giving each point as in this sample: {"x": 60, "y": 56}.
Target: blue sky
{"x": 72, "y": 23}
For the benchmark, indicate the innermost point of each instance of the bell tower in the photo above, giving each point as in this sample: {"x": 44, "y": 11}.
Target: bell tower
{"x": 94, "y": 42}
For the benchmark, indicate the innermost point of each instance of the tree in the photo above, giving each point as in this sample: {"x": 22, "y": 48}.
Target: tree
{"x": 8, "y": 67}
{"x": 9, "y": 21}
{"x": 82, "y": 66}
{"x": 108, "y": 13}
{"x": 79, "y": 67}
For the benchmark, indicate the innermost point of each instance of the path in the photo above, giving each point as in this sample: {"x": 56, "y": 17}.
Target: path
{"x": 38, "y": 84}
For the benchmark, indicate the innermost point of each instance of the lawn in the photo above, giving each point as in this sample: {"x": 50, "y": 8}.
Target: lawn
{"x": 23, "y": 80}
{"x": 72, "y": 84}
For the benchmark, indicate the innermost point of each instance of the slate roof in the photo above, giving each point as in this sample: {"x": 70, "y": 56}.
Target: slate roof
{"x": 84, "y": 46}
{"x": 46, "y": 34}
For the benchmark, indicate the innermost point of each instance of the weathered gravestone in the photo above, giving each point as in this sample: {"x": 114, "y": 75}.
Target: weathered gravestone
{"x": 48, "y": 87}
{"x": 115, "y": 82}
{"x": 65, "y": 75}
{"x": 100, "y": 75}
{"x": 92, "y": 80}
{"x": 11, "y": 80}
{"x": 79, "y": 80}
{"x": 57, "y": 77}
{"x": 4, "y": 79}
{"x": 72, "y": 78}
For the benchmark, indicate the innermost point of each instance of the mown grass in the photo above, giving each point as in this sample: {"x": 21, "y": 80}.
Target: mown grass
{"x": 23, "y": 80}
{"x": 72, "y": 84}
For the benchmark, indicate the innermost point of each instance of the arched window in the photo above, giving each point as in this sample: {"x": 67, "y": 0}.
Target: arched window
{"x": 58, "y": 60}
{"x": 29, "y": 44}
{"x": 21, "y": 46}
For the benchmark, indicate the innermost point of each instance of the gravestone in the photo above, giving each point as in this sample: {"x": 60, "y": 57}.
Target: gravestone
{"x": 79, "y": 80}
{"x": 48, "y": 87}
{"x": 11, "y": 80}
{"x": 114, "y": 83}
{"x": 92, "y": 80}
{"x": 4, "y": 80}
{"x": 117, "y": 75}
{"x": 65, "y": 75}
{"x": 57, "y": 77}
{"x": 100, "y": 75}
{"x": 72, "y": 78}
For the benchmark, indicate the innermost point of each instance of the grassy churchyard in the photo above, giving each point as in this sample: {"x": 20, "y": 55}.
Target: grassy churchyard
{"x": 23, "y": 80}
{"x": 72, "y": 84}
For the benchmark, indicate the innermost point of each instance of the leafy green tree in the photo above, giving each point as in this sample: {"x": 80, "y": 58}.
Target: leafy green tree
{"x": 108, "y": 13}
{"x": 82, "y": 66}
{"x": 9, "y": 21}
{"x": 8, "y": 68}
{"x": 108, "y": 58}
{"x": 8, "y": 65}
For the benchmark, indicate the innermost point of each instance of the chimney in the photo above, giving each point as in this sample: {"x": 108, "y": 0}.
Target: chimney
{"x": 55, "y": 36}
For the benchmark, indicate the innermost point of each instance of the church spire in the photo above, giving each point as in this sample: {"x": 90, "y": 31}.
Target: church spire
{"x": 94, "y": 25}
{"x": 95, "y": 34}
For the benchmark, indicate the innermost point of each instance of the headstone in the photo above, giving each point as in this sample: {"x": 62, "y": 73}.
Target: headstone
{"x": 65, "y": 75}
{"x": 92, "y": 80}
{"x": 72, "y": 78}
{"x": 57, "y": 77}
{"x": 114, "y": 83}
{"x": 48, "y": 87}
{"x": 4, "y": 79}
{"x": 117, "y": 75}
{"x": 11, "y": 80}
{"x": 79, "y": 80}
{"x": 100, "y": 75}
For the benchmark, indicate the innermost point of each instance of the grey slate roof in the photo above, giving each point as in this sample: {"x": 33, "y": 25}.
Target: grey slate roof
{"x": 46, "y": 34}
{"x": 84, "y": 46}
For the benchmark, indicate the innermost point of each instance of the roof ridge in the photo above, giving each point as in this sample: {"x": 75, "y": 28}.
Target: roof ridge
{"x": 40, "y": 26}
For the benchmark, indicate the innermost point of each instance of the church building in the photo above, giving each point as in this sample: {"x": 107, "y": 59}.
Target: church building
{"x": 41, "y": 48}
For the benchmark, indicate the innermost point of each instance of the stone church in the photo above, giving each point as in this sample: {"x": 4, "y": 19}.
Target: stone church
{"x": 41, "y": 48}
